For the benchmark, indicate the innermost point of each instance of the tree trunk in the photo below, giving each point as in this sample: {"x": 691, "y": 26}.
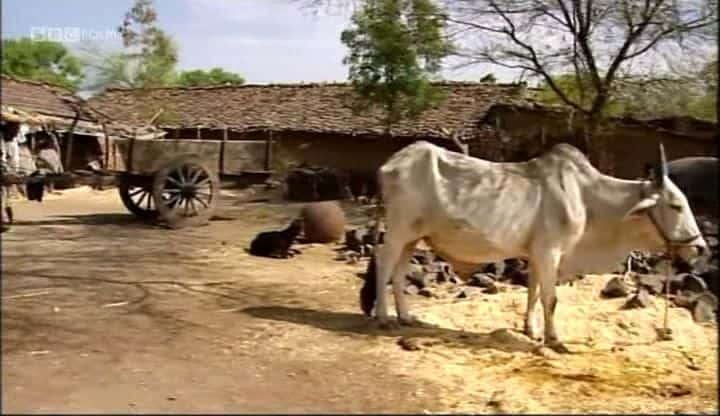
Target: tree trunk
{"x": 598, "y": 147}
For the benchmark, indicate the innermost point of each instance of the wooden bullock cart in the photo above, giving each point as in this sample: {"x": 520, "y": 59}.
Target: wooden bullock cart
{"x": 175, "y": 182}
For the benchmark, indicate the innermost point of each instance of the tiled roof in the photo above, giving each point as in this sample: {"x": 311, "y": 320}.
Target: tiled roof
{"x": 39, "y": 97}
{"x": 322, "y": 108}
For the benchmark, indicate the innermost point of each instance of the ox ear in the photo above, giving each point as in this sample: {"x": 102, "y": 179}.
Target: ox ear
{"x": 642, "y": 206}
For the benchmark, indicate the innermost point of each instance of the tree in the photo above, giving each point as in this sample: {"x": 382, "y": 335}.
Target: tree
{"x": 396, "y": 48}
{"x": 41, "y": 60}
{"x": 148, "y": 48}
{"x": 489, "y": 78}
{"x": 215, "y": 76}
{"x": 595, "y": 40}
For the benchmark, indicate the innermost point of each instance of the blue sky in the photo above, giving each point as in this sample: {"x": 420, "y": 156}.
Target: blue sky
{"x": 264, "y": 40}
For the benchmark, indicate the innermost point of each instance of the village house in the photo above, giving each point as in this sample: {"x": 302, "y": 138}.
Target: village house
{"x": 313, "y": 124}
{"x": 631, "y": 143}
{"x": 36, "y": 105}
{"x": 310, "y": 124}
{"x": 85, "y": 137}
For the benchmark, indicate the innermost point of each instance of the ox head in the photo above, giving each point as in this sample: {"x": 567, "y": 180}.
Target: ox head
{"x": 667, "y": 211}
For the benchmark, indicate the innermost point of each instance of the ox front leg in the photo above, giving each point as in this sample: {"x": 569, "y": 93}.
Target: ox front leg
{"x": 547, "y": 276}
{"x": 385, "y": 262}
{"x": 399, "y": 281}
{"x": 531, "y": 320}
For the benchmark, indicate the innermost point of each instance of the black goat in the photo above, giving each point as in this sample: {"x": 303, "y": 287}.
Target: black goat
{"x": 276, "y": 244}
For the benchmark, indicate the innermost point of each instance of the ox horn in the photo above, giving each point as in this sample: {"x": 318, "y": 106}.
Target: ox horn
{"x": 663, "y": 166}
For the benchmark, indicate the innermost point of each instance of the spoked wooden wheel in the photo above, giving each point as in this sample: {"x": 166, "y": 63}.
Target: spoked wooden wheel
{"x": 137, "y": 199}
{"x": 185, "y": 192}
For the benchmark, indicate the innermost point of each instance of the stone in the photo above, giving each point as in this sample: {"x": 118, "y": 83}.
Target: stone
{"x": 469, "y": 292}
{"x": 419, "y": 277}
{"x": 427, "y": 293}
{"x": 412, "y": 290}
{"x": 692, "y": 283}
{"x": 615, "y": 288}
{"x": 367, "y": 250}
{"x": 492, "y": 289}
{"x": 711, "y": 241}
{"x": 481, "y": 280}
{"x": 518, "y": 277}
{"x": 641, "y": 299}
{"x": 712, "y": 280}
{"x": 323, "y": 222}
{"x": 424, "y": 257}
{"x": 353, "y": 240}
{"x": 704, "y": 307}
{"x": 654, "y": 283}
{"x": 676, "y": 283}
{"x": 497, "y": 269}
{"x": 409, "y": 344}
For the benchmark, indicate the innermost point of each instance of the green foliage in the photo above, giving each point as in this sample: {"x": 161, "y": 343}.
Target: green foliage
{"x": 148, "y": 59}
{"x": 215, "y": 76}
{"x": 396, "y": 48}
{"x": 651, "y": 98}
{"x": 489, "y": 78}
{"x": 41, "y": 60}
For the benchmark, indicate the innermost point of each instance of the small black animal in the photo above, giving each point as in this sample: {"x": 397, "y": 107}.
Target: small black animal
{"x": 277, "y": 244}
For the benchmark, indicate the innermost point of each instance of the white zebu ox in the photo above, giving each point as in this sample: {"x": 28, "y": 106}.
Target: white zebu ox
{"x": 556, "y": 210}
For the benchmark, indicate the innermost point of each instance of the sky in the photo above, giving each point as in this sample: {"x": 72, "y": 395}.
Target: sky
{"x": 263, "y": 40}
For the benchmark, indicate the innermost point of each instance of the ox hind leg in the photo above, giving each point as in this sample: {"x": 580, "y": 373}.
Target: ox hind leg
{"x": 392, "y": 260}
{"x": 545, "y": 269}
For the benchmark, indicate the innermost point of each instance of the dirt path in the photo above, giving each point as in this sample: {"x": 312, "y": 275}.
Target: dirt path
{"x": 103, "y": 314}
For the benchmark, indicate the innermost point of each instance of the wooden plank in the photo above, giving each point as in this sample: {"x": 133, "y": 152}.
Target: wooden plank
{"x": 149, "y": 156}
{"x": 243, "y": 156}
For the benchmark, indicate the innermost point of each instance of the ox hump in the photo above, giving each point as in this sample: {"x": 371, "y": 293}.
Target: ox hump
{"x": 416, "y": 153}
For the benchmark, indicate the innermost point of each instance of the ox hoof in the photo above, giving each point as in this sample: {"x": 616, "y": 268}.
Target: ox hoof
{"x": 533, "y": 334}
{"x": 558, "y": 347}
{"x": 410, "y": 320}
{"x": 387, "y": 324}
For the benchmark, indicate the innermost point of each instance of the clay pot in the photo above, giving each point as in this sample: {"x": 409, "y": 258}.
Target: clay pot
{"x": 323, "y": 222}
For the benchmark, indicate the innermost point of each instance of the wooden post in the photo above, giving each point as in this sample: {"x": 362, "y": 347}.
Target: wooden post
{"x": 107, "y": 146}
{"x": 128, "y": 164}
{"x": 199, "y": 134}
{"x": 70, "y": 137}
{"x": 268, "y": 150}
{"x": 222, "y": 150}
{"x": 463, "y": 147}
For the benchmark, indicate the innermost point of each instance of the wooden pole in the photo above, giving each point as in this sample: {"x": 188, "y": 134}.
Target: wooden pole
{"x": 107, "y": 145}
{"x": 70, "y": 138}
{"x": 222, "y": 150}
{"x": 268, "y": 150}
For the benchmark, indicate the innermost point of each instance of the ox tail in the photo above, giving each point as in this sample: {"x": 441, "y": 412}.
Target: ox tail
{"x": 368, "y": 293}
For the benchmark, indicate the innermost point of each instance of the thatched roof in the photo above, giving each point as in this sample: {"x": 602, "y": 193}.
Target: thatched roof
{"x": 35, "y": 97}
{"x": 320, "y": 108}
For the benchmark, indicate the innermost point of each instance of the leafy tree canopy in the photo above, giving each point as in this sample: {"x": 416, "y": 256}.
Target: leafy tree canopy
{"x": 214, "y": 76}
{"x": 41, "y": 60}
{"x": 396, "y": 48}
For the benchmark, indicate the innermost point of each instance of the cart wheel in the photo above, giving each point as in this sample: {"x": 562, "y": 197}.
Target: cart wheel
{"x": 185, "y": 192}
{"x": 137, "y": 199}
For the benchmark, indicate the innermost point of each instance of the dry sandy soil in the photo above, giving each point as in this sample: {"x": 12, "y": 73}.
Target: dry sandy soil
{"x": 101, "y": 313}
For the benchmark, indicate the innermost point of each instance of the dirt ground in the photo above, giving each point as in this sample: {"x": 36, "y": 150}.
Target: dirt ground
{"x": 101, "y": 313}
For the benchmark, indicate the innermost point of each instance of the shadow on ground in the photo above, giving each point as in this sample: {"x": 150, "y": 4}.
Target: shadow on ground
{"x": 505, "y": 339}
